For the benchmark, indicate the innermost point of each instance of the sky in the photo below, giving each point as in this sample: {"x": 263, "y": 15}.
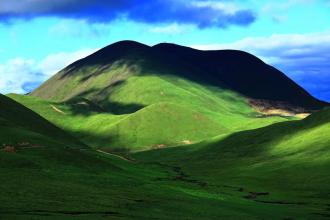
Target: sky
{"x": 40, "y": 37}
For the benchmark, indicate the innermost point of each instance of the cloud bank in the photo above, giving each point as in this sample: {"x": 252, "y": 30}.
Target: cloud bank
{"x": 21, "y": 75}
{"x": 201, "y": 13}
{"x": 303, "y": 57}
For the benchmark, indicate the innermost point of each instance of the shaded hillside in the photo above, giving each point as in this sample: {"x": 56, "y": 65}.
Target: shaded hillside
{"x": 102, "y": 73}
{"x": 20, "y": 125}
{"x": 239, "y": 71}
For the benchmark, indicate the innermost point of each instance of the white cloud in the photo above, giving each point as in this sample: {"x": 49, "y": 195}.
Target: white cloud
{"x": 55, "y": 62}
{"x": 274, "y": 41}
{"x": 284, "y": 5}
{"x": 14, "y": 72}
{"x": 19, "y": 75}
{"x": 278, "y": 10}
{"x": 227, "y": 7}
{"x": 279, "y": 46}
{"x": 171, "y": 29}
{"x": 79, "y": 28}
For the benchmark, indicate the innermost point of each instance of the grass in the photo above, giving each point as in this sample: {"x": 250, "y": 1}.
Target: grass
{"x": 170, "y": 111}
{"x": 209, "y": 180}
{"x": 288, "y": 160}
{"x": 19, "y": 122}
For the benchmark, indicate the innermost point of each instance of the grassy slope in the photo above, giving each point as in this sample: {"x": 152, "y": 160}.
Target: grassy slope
{"x": 58, "y": 178}
{"x": 289, "y": 160}
{"x": 173, "y": 110}
{"x": 98, "y": 75}
{"x": 18, "y": 123}
{"x": 72, "y": 184}
{"x": 129, "y": 83}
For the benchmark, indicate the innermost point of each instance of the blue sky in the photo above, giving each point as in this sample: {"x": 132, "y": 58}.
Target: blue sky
{"x": 39, "y": 37}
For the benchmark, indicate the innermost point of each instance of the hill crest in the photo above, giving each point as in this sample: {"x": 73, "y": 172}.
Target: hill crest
{"x": 235, "y": 70}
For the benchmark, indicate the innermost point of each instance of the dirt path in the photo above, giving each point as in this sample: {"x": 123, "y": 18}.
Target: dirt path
{"x": 116, "y": 155}
{"x": 57, "y": 110}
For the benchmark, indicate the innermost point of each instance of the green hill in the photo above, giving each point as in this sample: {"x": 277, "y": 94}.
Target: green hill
{"x": 186, "y": 113}
{"x": 56, "y": 177}
{"x": 21, "y": 126}
{"x": 284, "y": 163}
{"x": 101, "y": 74}
{"x": 132, "y": 96}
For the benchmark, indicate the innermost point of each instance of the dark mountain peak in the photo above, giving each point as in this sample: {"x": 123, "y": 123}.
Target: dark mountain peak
{"x": 234, "y": 55}
{"x": 112, "y": 52}
{"x": 235, "y": 70}
{"x": 228, "y": 56}
{"x": 120, "y": 48}
{"x": 170, "y": 49}
{"x": 126, "y": 44}
{"x": 171, "y": 46}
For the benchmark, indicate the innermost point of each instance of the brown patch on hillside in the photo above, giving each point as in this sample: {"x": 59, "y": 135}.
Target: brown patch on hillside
{"x": 186, "y": 142}
{"x": 160, "y": 145}
{"x": 303, "y": 115}
{"x": 12, "y": 148}
{"x": 277, "y": 108}
{"x": 9, "y": 149}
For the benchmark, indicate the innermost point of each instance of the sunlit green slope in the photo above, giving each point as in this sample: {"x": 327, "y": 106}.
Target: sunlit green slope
{"x": 286, "y": 163}
{"x": 170, "y": 111}
{"x": 129, "y": 96}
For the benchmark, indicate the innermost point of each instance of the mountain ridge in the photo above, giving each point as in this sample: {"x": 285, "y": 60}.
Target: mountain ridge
{"x": 232, "y": 90}
{"x": 232, "y": 69}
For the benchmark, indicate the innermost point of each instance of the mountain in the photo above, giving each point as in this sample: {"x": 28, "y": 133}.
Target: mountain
{"x": 129, "y": 96}
{"x": 104, "y": 72}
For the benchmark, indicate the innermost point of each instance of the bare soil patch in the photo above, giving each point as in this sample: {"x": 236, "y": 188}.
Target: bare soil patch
{"x": 277, "y": 108}
{"x": 57, "y": 109}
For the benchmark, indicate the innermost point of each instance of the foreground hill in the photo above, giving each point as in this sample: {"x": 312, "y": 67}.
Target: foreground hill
{"x": 21, "y": 126}
{"x": 46, "y": 174}
{"x": 285, "y": 163}
{"x": 155, "y": 126}
{"x": 129, "y": 96}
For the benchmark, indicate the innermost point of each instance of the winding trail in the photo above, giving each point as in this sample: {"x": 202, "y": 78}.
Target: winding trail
{"x": 116, "y": 155}
{"x": 57, "y": 110}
